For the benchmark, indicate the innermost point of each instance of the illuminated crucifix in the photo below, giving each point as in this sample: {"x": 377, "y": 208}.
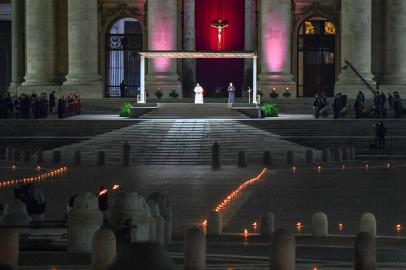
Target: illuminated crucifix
{"x": 219, "y": 25}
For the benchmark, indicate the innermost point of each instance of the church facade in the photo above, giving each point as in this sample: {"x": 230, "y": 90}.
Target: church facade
{"x": 303, "y": 46}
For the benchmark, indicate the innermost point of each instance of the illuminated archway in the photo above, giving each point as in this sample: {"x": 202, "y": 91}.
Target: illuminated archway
{"x": 316, "y": 58}
{"x": 124, "y": 40}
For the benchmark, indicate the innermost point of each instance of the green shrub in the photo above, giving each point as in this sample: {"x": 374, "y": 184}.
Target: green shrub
{"x": 269, "y": 110}
{"x": 125, "y": 110}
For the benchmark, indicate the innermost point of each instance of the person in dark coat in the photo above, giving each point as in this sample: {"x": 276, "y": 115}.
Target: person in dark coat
{"x": 380, "y": 131}
{"x": 397, "y": 105}
{"x": 382, "y": 103}
{"x": 61, "y": 107}
{"x": 337, "y": 105}
{"x": 52, "y": 101}
{"x": 359, "y": 104}
{"x": 123, "y": 87}
{"x": 316, "y": 106}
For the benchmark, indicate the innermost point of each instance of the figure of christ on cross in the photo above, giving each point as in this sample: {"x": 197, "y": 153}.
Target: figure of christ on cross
{"x": 219, "y": 25}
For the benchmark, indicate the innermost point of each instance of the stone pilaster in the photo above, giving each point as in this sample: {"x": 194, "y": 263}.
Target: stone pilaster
{"x": 162, "y": 36}
{"x": 17, "y": 40}
{"x": 189, "y": 44}
{"x": 394, "y": 77}
{"x": 250, "y": 41}
{"x": 40, "y": 33}
{"x": 275, "y": 40}
{"x": 82, "y": 48}
{"x": 356, "y": 34}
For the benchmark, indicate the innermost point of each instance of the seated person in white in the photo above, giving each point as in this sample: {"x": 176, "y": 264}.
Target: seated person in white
{"x": 199, "y": 92}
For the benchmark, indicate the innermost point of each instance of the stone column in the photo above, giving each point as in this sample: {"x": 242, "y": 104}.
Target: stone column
{"x": 189, "y": 44}
{"x": 356, "y": 34}
{"x": 162, "y": 36}
{"x": 82, "y": 47}
{"x": 250, "y": 41}
{"x": 275, "y": 42}
{"x": 17, "y": 41}
{"x": 40, "y": 30}
{"x": 394, "y": 77}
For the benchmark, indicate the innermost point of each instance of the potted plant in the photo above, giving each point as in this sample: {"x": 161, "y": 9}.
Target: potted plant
{"x": 158, "y": 94}
{"x": 125, "y": 110}
{"x": 174, "y": 94}
{"x": 269, "y": 110}
{"x": 274, "y": 93}
{"x": 287, "y": 93}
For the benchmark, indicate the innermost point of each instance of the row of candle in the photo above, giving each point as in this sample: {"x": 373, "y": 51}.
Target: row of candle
{"x": 39, "y": 178}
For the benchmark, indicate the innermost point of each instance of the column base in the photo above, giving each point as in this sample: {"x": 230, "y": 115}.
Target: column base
{"x": 352, "y": 89}
{"x": 80, "y": 79}
{"x": 279, "y": 82}
{"x": 164, "y": 82}
{"x": 37, "y": 80}
{"x": 95, "y": 90}
{"x": 390, "y": 88}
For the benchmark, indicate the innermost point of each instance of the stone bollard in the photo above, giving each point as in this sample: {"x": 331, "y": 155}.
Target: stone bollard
{"x": 283, "y": 248}
{"x": 16, "y": 154}
{"x": 126, "y": 154}
{"x": 101, "y": 158}
{"x": 195, "y": 249}
{"x": 346, "y": 153}
{"x": 338, "y": 154}
{"x": 9, "y": 154}
{"x": 365, "y": 252}
{"x": 159, "y": 234}
{"x": 215, "y": 156}
{"x": 77, "y": 158}
{"x": 319, "y": 225}
{"x": 143, "y": 255}
{"x": 310, "y": 156}
{"x": 368, "y": 224}
{"x": 15, "y": 214}
{"x": 290, "y": 158}
{"x": 168, "y": 228}
{"x": 164, "y": 209}
{"x": 267, "y": 159}
{"x": 267, "y": 225}
{"x": 214, "y": 224}
{"x": 26, "y": 156}
{"x": 103, "y": 249}
{"x": 326, "y": 155}
{"x": 132, "y": 208}
{"x": 9, "y": 248}
{"x": 352, "y": 153}
{"x": 242, "y": 159}
{"x": 39, "y": 156}
{"x": 84, "y": 220}
{"x": 56, "y": 156}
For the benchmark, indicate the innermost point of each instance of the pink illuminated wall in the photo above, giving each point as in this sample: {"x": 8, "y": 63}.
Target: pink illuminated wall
{"x": 162, "y": 33}
{"x": 276, "y": 36}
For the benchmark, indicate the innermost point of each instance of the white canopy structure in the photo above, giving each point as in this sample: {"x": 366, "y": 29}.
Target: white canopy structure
{"x": 195, "y": 55}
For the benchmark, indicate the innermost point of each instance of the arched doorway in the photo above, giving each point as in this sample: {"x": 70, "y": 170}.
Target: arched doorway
{"x": 123, "y": 42}
{"x": 316, "y": 57}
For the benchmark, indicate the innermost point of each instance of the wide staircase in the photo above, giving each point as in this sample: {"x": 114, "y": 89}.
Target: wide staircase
{"x": 330, "y": 133}
{"x": 193, "y": 111}
{"x": 183, "y": 142}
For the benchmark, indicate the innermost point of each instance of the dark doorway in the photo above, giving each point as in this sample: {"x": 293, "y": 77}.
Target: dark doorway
{"x": 123, "y": 42}
{"x": 5, "y": 55}
{"x": 316, "y": 57}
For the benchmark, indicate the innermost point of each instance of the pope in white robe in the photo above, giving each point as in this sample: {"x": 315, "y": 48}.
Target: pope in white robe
{"x": 198, "y": 94}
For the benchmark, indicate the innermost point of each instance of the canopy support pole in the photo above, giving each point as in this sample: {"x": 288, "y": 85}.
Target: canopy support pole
{"x": 142, "y": 80}
{"x": 254, "y": 80}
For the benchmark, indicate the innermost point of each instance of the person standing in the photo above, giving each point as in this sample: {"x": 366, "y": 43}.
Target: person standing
{"x": 231, "y": 93}
{"x": 380, "y": 131}
{"x": 52, "y": 102}
{"x": 359, "y": 105}
{"x": 337, "y": 105}
{"x": 199, "y": 92}
{"x": 316, "y": 106}
{"x": 123, "y": 87}
{"x": 397, "y": 105}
